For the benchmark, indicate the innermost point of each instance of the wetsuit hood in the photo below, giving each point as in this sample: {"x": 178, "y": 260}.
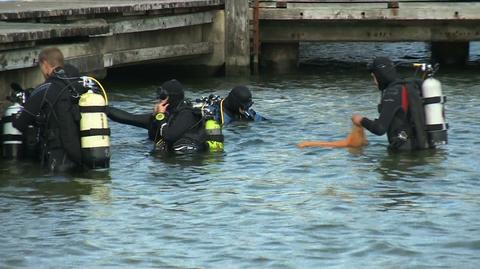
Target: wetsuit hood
{"x": 384, "y": 71}
{"x": 71, "y": 71}
{"x": 174, "y": 90}
{"x": 239, "y": 97}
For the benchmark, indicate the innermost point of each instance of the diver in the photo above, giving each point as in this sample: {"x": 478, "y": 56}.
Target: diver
{"x": 52, "y": 109}
{"x": 402, "y": 115}
{"x": 31, "y": 137}
{"x": 174, "y": 126}
{"x": 237, "y": 106}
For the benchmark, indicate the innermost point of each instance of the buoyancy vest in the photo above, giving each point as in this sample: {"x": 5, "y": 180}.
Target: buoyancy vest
{"x": 193, "y": 139}
{"x": 407, "y": 128}
{"x": 196, "y": 134}
{"x": 415, "y": 113}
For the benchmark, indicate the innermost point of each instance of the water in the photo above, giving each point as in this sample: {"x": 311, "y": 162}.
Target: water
{"x": 264, "y": 203}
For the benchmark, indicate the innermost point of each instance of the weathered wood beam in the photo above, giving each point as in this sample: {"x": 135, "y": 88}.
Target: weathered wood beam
{"x": 237, "y": 37}
{"x": 355, "y": 1}
{"x": 25, "y": 58}
{"x": 87, "y": 58}
{"x": 38, "y": 9}
{"x": 289, "y": 3}
{"x": 368, "y": 31}
{"x": 156, "y": 53}
{"x": 159, "y": 23}
{"x": 20, "y": 32}
{"x": 382, "y": 4}
{"x": 460, "y": 12}
{"x": 16, "y": 45}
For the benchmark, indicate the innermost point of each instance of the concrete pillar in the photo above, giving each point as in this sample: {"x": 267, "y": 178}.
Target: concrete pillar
{"x": 450, "y": 53}
{"x": 279, "y": 57}
{"x": 237, "y": 38}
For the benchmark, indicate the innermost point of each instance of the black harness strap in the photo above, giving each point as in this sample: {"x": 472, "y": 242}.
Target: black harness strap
{"x": 7, "y": 137}
{"x": 95, "y": 132}
{"x": 436, "y": 127}
{"x": 6, "y": 119}
{"x": 92, "y": 109}
{"x": 434, "y": 100}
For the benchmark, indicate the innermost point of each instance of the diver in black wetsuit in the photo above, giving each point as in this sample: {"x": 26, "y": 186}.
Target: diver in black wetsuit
{"x": 52, "y": 111}
{"x": 401, "y": 110}
{"x": 237, "y": 106}
{"x": 174, "y": 125}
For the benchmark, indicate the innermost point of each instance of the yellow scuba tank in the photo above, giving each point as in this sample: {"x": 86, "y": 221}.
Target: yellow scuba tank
{"x": 214, "y": 135}
{"x": 94, "y": 130}
{"x": 213, "y": 129}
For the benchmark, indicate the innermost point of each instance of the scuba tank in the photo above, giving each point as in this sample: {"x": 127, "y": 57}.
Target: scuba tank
{"x": 94, "y": 131}
{"x": 213, "y": 129}
{"x": 12, "y": 139}
{"x": 433, "y": 103}
{"x": 214, "y": 135}
{"x": 12, "y": 142}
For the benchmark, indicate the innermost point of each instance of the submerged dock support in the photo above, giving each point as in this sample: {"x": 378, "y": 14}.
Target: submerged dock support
{"x": 237, "y": 38}
{"x": 450, "y": 53}
{"x": 279, "y": 57}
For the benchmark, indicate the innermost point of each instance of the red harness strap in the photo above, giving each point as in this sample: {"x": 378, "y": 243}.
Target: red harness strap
{"x": 404, "y": 99}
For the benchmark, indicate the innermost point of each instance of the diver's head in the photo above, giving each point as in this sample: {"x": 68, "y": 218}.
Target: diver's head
{"x": 239, "y": 100}
{"x": 49, "y": 60}
{"x": 383, "y": 70}
{"x": 173, "y": 90}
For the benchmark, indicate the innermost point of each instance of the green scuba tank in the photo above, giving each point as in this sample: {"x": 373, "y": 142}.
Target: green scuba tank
{"x": 213, "y": 129}
{"x": 214, "y": 135}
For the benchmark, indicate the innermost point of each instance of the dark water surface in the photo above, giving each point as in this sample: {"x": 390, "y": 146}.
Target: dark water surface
{"x": 264, "y": 203}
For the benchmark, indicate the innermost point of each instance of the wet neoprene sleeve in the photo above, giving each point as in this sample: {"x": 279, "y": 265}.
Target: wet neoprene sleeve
{"x": 390, "y": 105}
{"x": 121, "y": 116}
{"x": 373, "y": 126}
{"x": 179, "y": 124}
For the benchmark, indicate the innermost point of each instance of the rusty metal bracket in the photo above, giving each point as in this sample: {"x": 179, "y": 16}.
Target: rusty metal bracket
{"x": 281, "y": 4}
{"x": 393, "y": 4}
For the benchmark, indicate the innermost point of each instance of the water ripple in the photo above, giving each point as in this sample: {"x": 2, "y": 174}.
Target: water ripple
{"x": 264, "y": 203}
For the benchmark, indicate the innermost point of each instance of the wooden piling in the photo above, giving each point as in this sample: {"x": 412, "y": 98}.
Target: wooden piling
{"x": 237, "y": 38}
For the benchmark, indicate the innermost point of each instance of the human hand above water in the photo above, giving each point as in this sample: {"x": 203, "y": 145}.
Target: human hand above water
{"x": 161, "y": 107}
{"x": 357, "y": 119}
